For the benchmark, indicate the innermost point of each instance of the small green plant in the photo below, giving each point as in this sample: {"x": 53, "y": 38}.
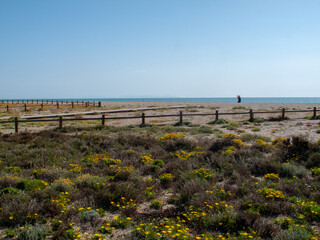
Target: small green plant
{"x": 120, "y": 222}
{"x": 219, "y": 121}
{"x": 156, "y": 204}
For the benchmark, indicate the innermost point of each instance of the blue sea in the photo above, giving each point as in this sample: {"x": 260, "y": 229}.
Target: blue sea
{"x": 198, "y": 100}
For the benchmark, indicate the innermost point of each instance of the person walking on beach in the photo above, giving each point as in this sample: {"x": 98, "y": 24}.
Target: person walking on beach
{"x": 239, "y": 99}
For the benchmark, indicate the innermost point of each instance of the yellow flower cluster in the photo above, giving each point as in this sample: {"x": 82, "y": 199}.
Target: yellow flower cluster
{"x": 111, "y": 161}
{"x": 126, "y": 169}
{"x": 166, "y": 177}
{"x": 65, "y": 181}
{"x": 260, "y": 142}
{"x": 12, "y": 169}
{"x": 164, "y": 229}
{"x": 204, "y": 173}
{"x": 315, "y": 171}
{"x": 172, "y": 136}
{"x": 277, "y": 141}
{"x": 230, "y": 136}
{"x": 271, "y": 193}
{"x": 238, "y": 142}
{"x": 75, "y": 168}
{"x": 219, "y": 192}
{"x": 311, "y": 209}
{"x": 147, "y": 159}
{"x": 125, "y": 204}
{"x": 62, "y": 201}
{"x": 186, "y": 155}
{"x": 271, "y": 176}
{"x": 229, "y": 151}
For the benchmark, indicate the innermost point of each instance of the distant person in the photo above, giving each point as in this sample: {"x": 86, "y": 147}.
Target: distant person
{"x": 239, "y": 99}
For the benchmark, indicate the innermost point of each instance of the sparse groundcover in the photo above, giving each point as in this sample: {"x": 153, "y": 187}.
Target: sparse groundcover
{"x": 157, "y": 183}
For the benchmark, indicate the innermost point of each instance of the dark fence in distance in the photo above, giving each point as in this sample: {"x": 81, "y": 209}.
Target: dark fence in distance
{"x": 143, "y": 117}
{"x": 50, "y": 103}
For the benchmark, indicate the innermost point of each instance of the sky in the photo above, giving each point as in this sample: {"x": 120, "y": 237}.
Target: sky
{"x": 159, "y": 48}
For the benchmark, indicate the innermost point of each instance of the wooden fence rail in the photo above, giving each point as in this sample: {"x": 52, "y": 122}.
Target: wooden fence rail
{"x": 42, "y": 104}
{"x": 143, "y": 117}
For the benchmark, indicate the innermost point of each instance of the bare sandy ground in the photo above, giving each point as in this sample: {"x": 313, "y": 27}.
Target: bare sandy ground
{"x": 296, "y": 125}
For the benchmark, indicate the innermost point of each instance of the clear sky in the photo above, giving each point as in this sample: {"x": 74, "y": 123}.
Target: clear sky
{"x": 159, "y": 48}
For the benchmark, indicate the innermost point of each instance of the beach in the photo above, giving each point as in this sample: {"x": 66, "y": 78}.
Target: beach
{"x": 296, "y": 123}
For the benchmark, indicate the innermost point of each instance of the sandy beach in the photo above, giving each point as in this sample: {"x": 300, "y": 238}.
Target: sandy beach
{"x": 295, "y": 125}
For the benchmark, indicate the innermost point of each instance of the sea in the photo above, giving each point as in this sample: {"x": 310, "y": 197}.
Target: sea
{"x": 197, "y": 100}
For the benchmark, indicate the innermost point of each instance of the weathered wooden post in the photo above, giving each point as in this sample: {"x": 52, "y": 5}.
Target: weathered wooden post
{"x": 283, "y": 113}
{"x": 314, "y": 113}
{"x": 251, "y": 115}
{"x": 32, "y": 101}
{"x": 72, "y": 104}
{"x": 99, "y": 104}
{"x": 103, "y": 119}
{"x": 41, "y": 105}
{"x": 25, "y": 107}
{"x": 57, "y": 105}
{"x": 86, "y": 104}
{"x": 143, "y": 119}
{"x": 7, "y": 108}
{"x": 60, "y": 122}
{"x": 16, "y": 126}
{"x": 94, "y": 103}
{"x": 181, "y": 118}
{"x": 217, "y": 115}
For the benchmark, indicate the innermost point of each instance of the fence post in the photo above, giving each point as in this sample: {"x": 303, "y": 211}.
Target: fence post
{"x": 60, "y": 122}
{"x": 72, "y": 104}
{"x": 86, "y": 104}
{"x": 94, "y": 103}
{"x": 16, "y": 126}
{"x": 283, "y": 113}
{"x": 99, "y": 104}
{"x": 32, "y": 101}
{"x": 251, "y": 115}
{"x": 7, "y": 108}
{"x": 181, "y": 118}
{"x": 103, "y": 119}
{"x": 57, "y": 105}
{"x": 41, "y": 105}
{"x": 314, "y": 112}
{"x": 217, "y": 115}
{"x": 25, "y": 107}
{"x": 143, "y": 119}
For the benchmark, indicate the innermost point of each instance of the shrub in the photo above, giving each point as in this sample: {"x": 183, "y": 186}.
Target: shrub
{"x": 156, "y": 204}
{"x": 28, "y": 232}
{"x": 294, "y": 234}
{"x": 218, "y": 121}
{"x": 12, "y": 169}
{"x": 313, "y": 160}
{"x": 120, "y": 222}
{"x": 271, "y": 193}
{"x": 166, "y": 178}
{"x": 91, "y": 216}
{"x": 289, "y": 170}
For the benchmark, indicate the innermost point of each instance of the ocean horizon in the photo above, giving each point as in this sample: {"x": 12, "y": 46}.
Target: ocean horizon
{"x": 199, "y": 100}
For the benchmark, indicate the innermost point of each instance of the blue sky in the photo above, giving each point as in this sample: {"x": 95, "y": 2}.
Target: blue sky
{"x": 153, "y": 48}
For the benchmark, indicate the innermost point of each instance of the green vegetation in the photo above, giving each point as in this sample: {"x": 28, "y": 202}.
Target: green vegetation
{"x": 157, "y": 183}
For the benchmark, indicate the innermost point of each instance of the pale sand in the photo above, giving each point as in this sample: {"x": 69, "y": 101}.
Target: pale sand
{"x": 296, "y": 125}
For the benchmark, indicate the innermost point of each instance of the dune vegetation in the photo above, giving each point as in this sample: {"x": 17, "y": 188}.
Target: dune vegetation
{"x": 157, "y": 182}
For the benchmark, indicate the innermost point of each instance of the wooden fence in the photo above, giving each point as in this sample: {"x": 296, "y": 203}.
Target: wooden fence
{"x": 15, "y": 104}
{"x": 143, "y": 117}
